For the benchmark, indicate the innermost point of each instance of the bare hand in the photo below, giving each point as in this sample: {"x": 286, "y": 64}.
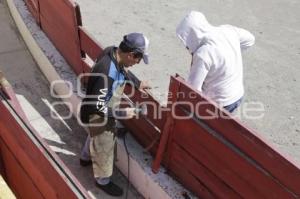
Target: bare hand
{"x": 130, "y": 112}
{"x": 144, "y": 85}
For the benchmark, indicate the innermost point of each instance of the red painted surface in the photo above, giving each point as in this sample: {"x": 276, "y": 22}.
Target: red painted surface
{"x": 90, "y": 50}
{"x": 258, "y": 149}
{"x": 34, "y": 8}
{"x": 190, "y": 181}
{"x": 200, "y": 173}
{"x": 167, "y": 129}
{"x": 26, "y": 166}
{"x": 28, "y": 172}
{"x": 17, "y": 178}
{"x": 60, "y": 21}
{"x": 89, "y": 45}
{"x": 222, "y": 158}
{"x": 143, "y": 133}
{"x": 146, "y": 129}
{"x": 222, "y": 161}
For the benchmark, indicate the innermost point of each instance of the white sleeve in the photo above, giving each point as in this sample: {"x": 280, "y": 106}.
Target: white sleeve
{"x": 246, "y": 38}
{"x": 198, "y": 72}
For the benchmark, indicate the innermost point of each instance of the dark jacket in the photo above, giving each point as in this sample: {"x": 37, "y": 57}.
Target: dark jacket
{"x": 105, "y": 77}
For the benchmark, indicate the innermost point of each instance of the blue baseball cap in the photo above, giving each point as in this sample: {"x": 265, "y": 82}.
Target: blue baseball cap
{"x": 138, "y": 43}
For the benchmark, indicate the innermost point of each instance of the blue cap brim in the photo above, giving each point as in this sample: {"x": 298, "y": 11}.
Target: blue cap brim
{"x": 146, "y": 59}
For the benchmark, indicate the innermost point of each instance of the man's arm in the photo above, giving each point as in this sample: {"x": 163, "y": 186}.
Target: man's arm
{"x": 198, "y": 73}
{"x": 246, "y": 38}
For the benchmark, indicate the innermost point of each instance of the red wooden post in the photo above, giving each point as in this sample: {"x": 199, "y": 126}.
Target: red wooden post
{"x": 167, "y": 130}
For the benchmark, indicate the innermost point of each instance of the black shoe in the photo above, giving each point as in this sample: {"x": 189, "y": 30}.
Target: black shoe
{"x": 111, "y": 189}
{"x": 85, "y": 163}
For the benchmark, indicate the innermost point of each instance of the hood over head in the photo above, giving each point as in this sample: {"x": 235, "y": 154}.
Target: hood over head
{"x": 192, "y": 30}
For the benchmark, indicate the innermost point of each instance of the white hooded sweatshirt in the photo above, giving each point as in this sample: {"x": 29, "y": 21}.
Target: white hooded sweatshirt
{"x": 217, "y": 67}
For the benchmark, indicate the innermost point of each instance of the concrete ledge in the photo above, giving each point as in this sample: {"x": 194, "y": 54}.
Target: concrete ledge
{"x": 148, "y": 184}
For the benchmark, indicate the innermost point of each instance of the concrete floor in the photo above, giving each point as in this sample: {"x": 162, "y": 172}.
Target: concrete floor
{"x": 65, "y": 137}
{"x": 271, "y": 69}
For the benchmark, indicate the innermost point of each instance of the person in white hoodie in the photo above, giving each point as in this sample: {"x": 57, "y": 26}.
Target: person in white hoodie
{"x": 217, "y": 67}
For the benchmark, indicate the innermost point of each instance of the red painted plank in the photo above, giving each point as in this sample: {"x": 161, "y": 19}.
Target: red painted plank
{"x": 281, "y": 167}
{"x": 31, "y": 159}
{"x": 222, "y": 170}
{"x": 89, "y": 45}
{"x": 184, "y": 177}
{"x": 201, "y": 173}
{"x": 248, "y": 179}
{"x": 33, "y": 6}
{"x": 17, "y": 178}
{"x": 62, "y": 29}
{"x": 162, "y": 146}
{"x": 166, "y": 134}
{"x": 143, "y": 132}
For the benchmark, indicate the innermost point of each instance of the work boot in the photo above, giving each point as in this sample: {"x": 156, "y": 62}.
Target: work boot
{"x": 111, "y": 189}
{"x": 85, "y": 163}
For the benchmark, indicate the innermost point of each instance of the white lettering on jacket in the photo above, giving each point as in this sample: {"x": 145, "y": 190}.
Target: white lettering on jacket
{"x": 101, "y": 101}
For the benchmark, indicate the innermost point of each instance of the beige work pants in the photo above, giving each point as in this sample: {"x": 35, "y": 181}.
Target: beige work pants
{"x": 102, "y": 145}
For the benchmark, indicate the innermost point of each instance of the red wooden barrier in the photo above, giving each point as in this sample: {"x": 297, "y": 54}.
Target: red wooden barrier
{"x": 248, "y": 141}
{"x": 89, "y": 45}
{"x": 34, "y": 8}
{"x": 202, "y": 180}
{"x": 146, "y": 129}
{"x": 90, "y": 50}
{"x": 26, "y": 161}
{"x": 60, "y": 20}
{"x": 28, "y": 171}
{"x": 218, "y": 153}
{"x": 167, "y": 129}
{"x": 28, "y": 188}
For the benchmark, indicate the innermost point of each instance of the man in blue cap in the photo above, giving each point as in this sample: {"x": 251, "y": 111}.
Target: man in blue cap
{"x": 99, "y": 108}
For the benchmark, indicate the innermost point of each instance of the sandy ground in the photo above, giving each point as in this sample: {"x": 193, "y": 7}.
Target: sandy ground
{"x": 271, "y": 69}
